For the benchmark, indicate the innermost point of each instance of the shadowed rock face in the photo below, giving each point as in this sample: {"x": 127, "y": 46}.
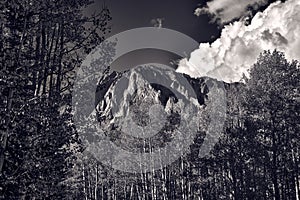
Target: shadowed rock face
{"x": 162, "y": 93}
{"x": 110, "y": 79}
{"x": 144, "y": 95}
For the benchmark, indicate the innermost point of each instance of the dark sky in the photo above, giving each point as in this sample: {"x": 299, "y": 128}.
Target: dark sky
{"x": 177, "y": 15}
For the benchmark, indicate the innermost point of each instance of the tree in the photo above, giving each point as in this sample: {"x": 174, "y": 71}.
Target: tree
{"x": 272, "y": 111}
{"x": 42, "y": 44}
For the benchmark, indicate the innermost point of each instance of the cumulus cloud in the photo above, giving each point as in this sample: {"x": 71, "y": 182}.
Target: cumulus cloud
{"x": 227, "y": 10}
{"x": 157, "y": 22}
{"x": 237, "y": 49}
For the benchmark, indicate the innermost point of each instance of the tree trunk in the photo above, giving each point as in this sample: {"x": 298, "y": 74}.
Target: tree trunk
{"x": 5, "y": 132}
{"x": 59, "y": 74}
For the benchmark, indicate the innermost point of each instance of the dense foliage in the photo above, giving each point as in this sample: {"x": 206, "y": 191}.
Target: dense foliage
{"x": 41, "y": 45}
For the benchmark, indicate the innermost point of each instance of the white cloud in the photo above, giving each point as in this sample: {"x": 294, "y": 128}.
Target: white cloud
{"x": 227, "y": 10}
{"x": 157, "y": 22}
{"x": 239, "y": 45}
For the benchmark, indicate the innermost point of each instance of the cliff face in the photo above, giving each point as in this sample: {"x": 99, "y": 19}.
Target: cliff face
{"x": 151, "y": 110}
{"x": 142, "y": 87}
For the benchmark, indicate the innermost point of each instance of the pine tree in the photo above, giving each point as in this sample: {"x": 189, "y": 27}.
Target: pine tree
{"x": 42, "y": 45}
{"x": 271, "y": 102}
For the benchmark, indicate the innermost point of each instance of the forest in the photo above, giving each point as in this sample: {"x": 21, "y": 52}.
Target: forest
{"x": 42, "y": 45}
